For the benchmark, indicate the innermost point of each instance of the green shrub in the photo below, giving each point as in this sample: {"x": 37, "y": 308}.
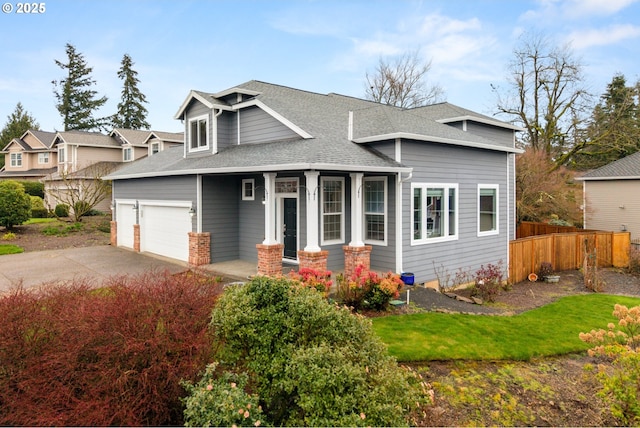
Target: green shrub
{"x": 39, "y": 213}
{"x": 15, "y": 204}
{"x": 311, "y": 363}
{"x": 61, "y": 210}
{"x": 33, "y": 188}
{"x": 9, "y": 236}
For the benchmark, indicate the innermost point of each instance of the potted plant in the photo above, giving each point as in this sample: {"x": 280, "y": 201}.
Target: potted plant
{"x": 546, "y": 273}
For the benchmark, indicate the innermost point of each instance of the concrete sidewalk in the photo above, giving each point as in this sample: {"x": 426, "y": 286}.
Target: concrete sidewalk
{"x": 98, "y": 263}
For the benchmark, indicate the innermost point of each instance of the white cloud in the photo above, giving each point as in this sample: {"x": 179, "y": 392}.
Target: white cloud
{"x": 581, "y": 8}
{"x": 604, "y": 36}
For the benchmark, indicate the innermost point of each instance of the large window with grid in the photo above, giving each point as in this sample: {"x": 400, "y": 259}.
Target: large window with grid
{"x": 332, "y": 225}
{"x": 435, "y": 212}
{"x": 198, "y": 133}
{"x": 16, "y": 159}
{"x": 487, "y": 209}
{"x": 375, "y": 210}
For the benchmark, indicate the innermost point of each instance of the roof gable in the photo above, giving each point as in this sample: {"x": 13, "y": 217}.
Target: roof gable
{"x": 621, "y": 169}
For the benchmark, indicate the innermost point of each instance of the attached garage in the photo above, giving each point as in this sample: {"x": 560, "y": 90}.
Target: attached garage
{"x": 165, "y": 227}
{"x": 126, "y": 218}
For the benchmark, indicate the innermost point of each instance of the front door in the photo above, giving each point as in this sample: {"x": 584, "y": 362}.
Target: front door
{"x": 290, "y": 227}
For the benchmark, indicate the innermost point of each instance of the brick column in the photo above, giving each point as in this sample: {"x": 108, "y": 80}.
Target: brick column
{"x": 270, "y": 259}
{"x": 199, "y": 248}
{"x": 354, "y": 256}
{"x": 136, "y": 237}
{"x": 316, "y": 260}
{"x": 113, "y": 239}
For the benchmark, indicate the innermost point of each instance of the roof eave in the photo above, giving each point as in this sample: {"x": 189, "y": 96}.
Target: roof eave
{"x": 420, "y": 137}
{"x": 266, "y": 168}
{"x": 610, "y": 178}
{"x": 484, "y": 120}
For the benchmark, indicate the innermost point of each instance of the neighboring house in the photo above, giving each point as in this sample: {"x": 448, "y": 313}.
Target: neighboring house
{"x": 30, "y": 157}
{"x": 273, "y": 175}
{"x": 611, "y": 196}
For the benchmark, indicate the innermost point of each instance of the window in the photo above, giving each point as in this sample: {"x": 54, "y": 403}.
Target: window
{"x": 61, "y": 155}
{"x": 16, "y": 159}
{"x": 487, "y": 209}
{"x": 435, "y": 213}
{"x": 127, "y": 154}
{"x": 155, "y": 148}
{"x": 248, "y": 188}
{"x": 332, "y": 226}
{"x": 375, "y": 210}
{"x": 43, "y": 158}
{"x": 198, "y": 133}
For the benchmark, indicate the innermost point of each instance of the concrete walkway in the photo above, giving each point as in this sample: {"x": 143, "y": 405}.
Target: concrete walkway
{"x": 98, "y": 263}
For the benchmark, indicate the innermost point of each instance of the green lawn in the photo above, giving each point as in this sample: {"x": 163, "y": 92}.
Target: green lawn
{"x": 549, "y": 330}
{"x": 40, "y": 220}
{"x": 9, "y": 249}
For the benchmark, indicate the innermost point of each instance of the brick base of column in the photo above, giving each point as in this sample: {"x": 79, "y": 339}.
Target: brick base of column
{"x": 316, "y": 260}
{"x": 136, "y": 237}
{"x": 113, "y": 238}
{"x": 199, "y": 248}
{"x": 354, "y": 256}
{"x": 270, "y": 259}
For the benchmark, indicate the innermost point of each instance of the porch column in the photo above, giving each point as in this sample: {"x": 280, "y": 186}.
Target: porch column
{"x": 269, "y": 251}
{"x": 199, "y": 248}
{"x": 356, "y": 209}
{"x": 269, "y": 209}
{"x": 113, "y": 238}
{"x": 313, "y": 194}
{"x": 136, "y": 238}
{"x": 356, "y": 253}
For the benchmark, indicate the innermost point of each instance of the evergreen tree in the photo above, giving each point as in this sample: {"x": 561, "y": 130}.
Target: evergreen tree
{"x": 17, "y": 124}
{"x": 77, "y": 102}
{"x": 613, "y": 131}
{"x": 131, "y": 114}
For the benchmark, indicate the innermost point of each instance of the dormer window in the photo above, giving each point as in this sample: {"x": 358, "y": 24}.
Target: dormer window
{"x": 155, "y": 148}
{"x": 198, "y": 133}
{"x": 16, "y": 159}
{"x": 127, "y": 154}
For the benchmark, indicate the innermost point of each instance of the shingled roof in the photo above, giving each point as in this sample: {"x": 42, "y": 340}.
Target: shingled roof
{"x": 323, "y": 123}
{"x": 627, "y": 168}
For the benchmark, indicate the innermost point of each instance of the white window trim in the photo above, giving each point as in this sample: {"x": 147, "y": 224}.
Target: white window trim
{"x": 495, "y": 231}
{"x": 42, "y": 155}
{"x": 424, "y": 186}
{"x": 124, "y": 154}
{"x": 157, "y": 144}
{"x": 253, "y": 189}
{"x": 322, "y": 213}
{"x": 16, "y": 159}
{"x": 204, "y": 117}
{"x": 364, "y": 211}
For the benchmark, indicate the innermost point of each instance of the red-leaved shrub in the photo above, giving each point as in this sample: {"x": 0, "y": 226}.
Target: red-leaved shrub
{"x": 75, "y": 354}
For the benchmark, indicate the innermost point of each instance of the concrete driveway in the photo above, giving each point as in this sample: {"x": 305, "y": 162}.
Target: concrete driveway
{"x": 98, "y": 263}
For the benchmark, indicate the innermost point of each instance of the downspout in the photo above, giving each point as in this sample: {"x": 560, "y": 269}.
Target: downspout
{"x": 238, "y": 126}
{"x": 199, "y": 203}
{"x": 508, "y": 211}
{"x": 399, "y": 242}
{"x": 214, "y": 130}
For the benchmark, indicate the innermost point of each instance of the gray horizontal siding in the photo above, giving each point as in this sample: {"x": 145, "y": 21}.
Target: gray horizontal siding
{"x": 435, "y": 163}
{"x": 226, "y": 124}
{"x": 256, "y": 126}
{"x": 251, "y": 221}
{"x": 500, "y": 136}
{"x": 220, "y": 216}
{"x": 159, "y": 188}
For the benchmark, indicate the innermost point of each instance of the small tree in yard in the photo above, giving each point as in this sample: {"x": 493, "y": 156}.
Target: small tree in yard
{"x": 15, "y": 204}
{"x": 81, "y": 190}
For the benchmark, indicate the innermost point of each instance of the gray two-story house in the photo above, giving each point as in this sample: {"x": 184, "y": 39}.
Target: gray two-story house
{"x": 271, "y": 175}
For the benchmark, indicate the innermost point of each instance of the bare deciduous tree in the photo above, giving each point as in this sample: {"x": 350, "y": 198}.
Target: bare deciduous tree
{"x": 401, "y": 82}
{"x": 546, "y": 95}
{"x": 81, "y": 190}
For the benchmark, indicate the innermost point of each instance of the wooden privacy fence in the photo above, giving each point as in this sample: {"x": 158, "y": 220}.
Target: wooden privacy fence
{"x": 531, "y": 228}
{"x": 566, "y": 251}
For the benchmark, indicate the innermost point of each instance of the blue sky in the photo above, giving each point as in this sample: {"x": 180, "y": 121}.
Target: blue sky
{"x": 321, "y": 46}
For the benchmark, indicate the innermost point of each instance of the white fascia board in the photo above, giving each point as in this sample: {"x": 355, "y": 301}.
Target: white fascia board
{"x": 482, "y": 120}
{"x": 286, "y": 122}
{"x": 629, "y": 177}
{"x": 192, "y": 94}
{"x": 14, "y": 141}
{"x": 419, "y": 137}
{"x": 266, "y": 168}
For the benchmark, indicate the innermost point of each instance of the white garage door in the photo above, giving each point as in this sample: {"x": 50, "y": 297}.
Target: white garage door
{"x": 125, "y": 218}
{"x": 164, "y": 230}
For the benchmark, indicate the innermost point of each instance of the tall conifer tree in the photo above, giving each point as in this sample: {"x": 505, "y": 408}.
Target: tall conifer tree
{"x": 77, "y": 102}
{"x": 132, "y": 114}
{"x": 17, "y": 124}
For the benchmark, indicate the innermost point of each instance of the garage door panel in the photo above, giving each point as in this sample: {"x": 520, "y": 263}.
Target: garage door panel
{"x": 164, "y": 230}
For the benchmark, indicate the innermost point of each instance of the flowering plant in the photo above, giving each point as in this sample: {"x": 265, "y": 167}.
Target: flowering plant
{"x": 365, "y": 289}
{"x": 312, "y": 278}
